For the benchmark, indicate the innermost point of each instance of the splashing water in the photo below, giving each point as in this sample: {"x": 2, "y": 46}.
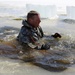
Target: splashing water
{"x": 60, "y": 56}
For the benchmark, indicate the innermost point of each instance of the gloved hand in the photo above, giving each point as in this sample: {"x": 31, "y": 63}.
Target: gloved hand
{"x": 45, "y": 46}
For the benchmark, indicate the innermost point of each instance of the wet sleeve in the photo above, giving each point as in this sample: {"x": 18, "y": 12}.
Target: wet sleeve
{"x": 24, "y": 35}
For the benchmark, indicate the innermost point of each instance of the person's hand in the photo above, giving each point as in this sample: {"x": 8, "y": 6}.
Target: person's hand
{"x": 45, "y": 46}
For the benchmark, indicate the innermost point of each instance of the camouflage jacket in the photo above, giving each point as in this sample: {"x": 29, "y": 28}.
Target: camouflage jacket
{"x": 28, "y": 34}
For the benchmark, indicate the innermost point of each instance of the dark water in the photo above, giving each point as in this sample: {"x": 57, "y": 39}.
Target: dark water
{"x": 60, "y": 56}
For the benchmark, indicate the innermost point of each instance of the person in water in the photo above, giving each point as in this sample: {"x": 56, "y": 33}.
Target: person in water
{"x": 31, "y": 32}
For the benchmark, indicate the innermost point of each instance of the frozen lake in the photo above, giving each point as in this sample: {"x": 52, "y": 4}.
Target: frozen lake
{"x": 18, "y": 67}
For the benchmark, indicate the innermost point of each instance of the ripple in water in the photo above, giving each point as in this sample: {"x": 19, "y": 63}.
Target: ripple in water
{"x": 60, "y": 56}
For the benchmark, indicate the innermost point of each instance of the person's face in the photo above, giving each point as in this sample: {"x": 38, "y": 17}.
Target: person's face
{"x": 35, "y": 21}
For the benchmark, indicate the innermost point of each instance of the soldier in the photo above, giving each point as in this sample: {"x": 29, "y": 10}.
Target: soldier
{"x": 31, "y": 32}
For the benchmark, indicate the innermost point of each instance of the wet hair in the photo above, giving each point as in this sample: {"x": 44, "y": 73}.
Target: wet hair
{"x": 31, "y": 14}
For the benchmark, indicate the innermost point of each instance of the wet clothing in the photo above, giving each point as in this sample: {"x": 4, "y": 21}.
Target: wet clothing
{"x": 29, "y": 34}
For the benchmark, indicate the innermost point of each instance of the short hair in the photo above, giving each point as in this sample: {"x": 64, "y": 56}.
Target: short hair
{"x": 31, "y": 14}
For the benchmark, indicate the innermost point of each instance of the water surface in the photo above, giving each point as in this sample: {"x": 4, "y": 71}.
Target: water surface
{"x": 61, "y": 54}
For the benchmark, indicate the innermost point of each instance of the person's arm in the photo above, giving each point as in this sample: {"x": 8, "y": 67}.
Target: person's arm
{"x": 23, "y": 35}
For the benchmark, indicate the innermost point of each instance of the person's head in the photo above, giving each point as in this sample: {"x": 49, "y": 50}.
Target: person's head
{"x": 33, "y": 18}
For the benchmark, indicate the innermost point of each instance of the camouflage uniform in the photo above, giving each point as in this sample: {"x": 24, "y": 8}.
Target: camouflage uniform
{"x": 28, "y": 34}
